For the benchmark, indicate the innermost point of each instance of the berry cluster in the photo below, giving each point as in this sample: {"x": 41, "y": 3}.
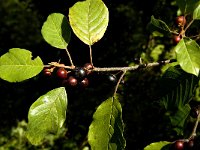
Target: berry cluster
{"x": 183, "y": 145}
{"x": 74, "y": 77}
{"x": 181, "y": 22}
{"x": 80, "y": 76}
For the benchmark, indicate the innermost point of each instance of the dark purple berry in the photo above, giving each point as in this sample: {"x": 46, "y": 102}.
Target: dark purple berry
{"x": 84, "y": 82}
{"x": 189, "y": 144}
{"x": 72, "y": 81}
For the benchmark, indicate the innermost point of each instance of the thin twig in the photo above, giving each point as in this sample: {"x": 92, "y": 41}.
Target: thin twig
{"x": 193, "y": 134}
{"x": 131, "y": 67}
{"x": 70, "y": 58}
{"x": 91, "y": 62}
{"x": 121, "y": 77}
{"x": 188, "y": 26}
{"x": 107, "y": 69}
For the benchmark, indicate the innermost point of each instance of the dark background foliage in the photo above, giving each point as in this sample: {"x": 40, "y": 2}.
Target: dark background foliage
{"x": 126, "y": 38}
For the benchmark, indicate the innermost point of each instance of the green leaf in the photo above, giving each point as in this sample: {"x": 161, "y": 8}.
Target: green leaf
{"x": 18, "y": 65}
{"x": 179, "y": 88}
{"x": 56, "y": 31}
{"x": 158, "y": 25}
{"x": 46, "y": 115}
{"x": 179, "y": 118}
{"x": 188, "y": 55}
{"x": 187, "y": 6}
{"x": 89, "y": 20}
{"x": 106, "y": 130}
{"x": 157, "y": 51}
{"x": 157, "y": 145}
{"x": 196, "y": 13}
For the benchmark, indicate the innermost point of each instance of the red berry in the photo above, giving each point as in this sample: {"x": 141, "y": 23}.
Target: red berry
{"x": 72, "y": 81}
{"x": 179, "y": 145}
{"x": 47, "y": 72}
{"x": 180, "y": 20}
{"x": 88, "y": 67}
{"x": 176, "y": 38}
{"x": 62, "y": 73}
{"x": 84, "y": 82}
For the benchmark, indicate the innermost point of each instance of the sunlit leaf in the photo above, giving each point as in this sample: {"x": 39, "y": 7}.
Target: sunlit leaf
{"x": 18, "y": 65}
{"x": 89, "y": 20}
{"x": 56, "y": 30}
{"x": 196, "y": 13}
{"x": 157, "y": 145}
{"x": 106, "y": 130}
{"x": 46, "y": 115}
{"x": 188, "y": 55}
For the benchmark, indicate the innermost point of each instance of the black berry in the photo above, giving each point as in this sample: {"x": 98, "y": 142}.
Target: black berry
{"x": 79, "y": 72}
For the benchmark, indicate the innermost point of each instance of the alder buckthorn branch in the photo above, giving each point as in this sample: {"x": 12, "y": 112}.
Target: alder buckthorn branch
{"x": 81, "y": 72}
{"x": 131, "y": 68}
{"x": 181, "y": 143}
{"x": 109, "y": 69}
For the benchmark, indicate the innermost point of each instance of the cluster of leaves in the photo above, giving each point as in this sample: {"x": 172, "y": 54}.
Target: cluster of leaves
{"x": 182, "y": 79}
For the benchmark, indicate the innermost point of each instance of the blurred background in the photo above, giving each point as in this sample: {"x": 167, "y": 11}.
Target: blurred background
{"x": 127, "y": 38}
